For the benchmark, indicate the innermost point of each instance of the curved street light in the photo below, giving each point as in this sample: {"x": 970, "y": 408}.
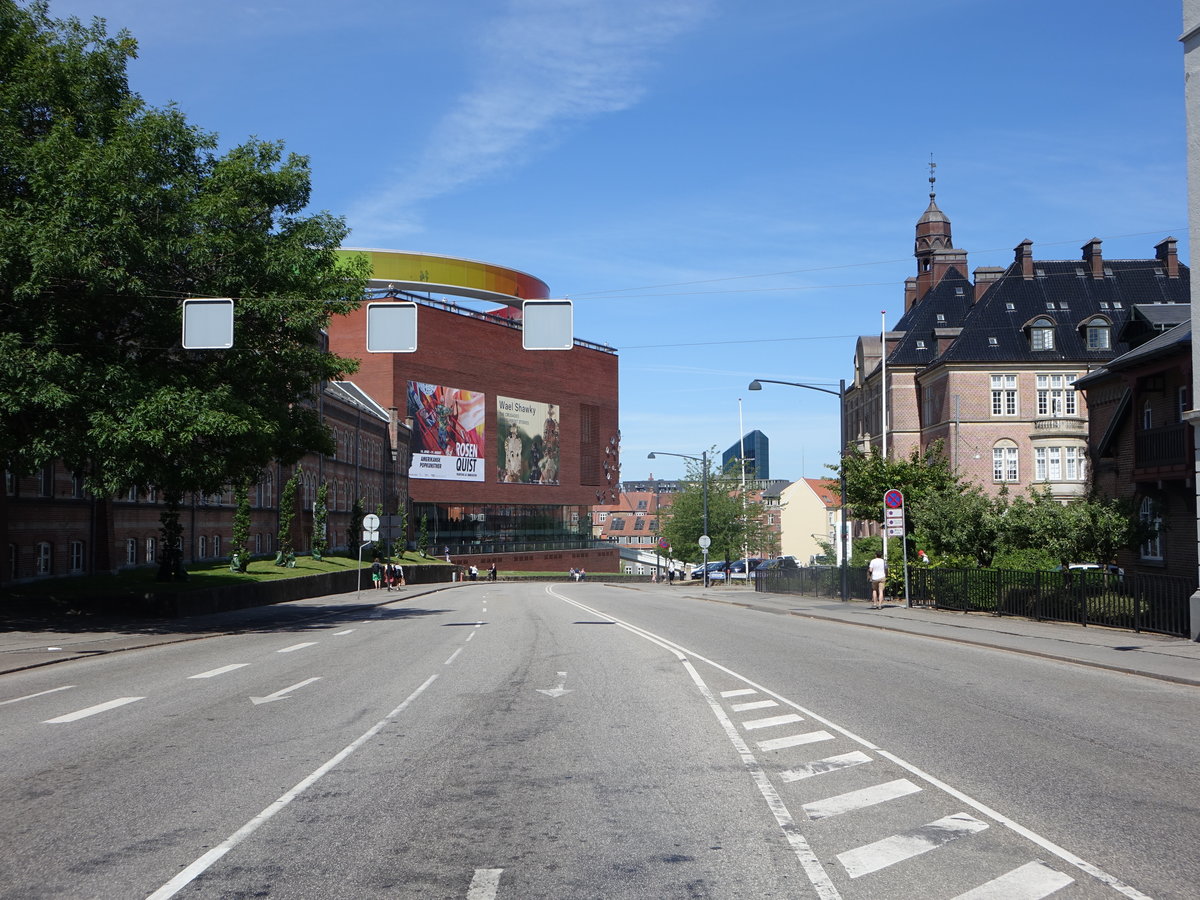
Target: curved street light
{"x": 703, "y": 460}
{"x": 840, "y": 393}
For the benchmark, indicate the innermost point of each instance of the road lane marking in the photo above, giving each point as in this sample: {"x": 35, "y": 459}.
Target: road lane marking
{"x": 452, "y": 655}
{"x": 795, "y": 740}
{"x": 740, "y": 692}
{"x": 484, "y": 884}
{"x": 757, "y": 704}
{"x": 197, "y": 868}
{"x": 860, "y": 799}
{"x": 296, "y": 647}
{"x": 65, "y": 687}
{"x": 826, "y": 765}
{"x": 470, "y": 634}
{"x": 213, "y": 673}
{"x": 1032, "y": 881}
{"x": 340, "y": 633}
{"x": 281, "y": 694}
{"x": 1062, "y": 853}
{"x": 755, "y": 724}
{"x": 92, "y": 710}
{"x": 899, "y": 847}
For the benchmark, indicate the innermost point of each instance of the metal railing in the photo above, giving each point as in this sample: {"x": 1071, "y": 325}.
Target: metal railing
{"x": 1138, "y": 602}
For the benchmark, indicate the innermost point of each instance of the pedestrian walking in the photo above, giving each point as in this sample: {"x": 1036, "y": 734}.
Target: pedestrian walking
{"x": 492, "y": 573}
{"x": 877, "y": 572}
{"x": 377, "y": 573}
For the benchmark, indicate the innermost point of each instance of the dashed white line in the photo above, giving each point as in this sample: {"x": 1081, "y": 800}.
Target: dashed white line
{"x": 826, "y": 765}
{"x": 213, "y": 673}
{"x": 452, "y": 655}
{"x": 899, "y": 847}
{"x": 296, "y": 647}
{"x": 788, "y": 719}
{"x": 795, "y": 740}
{"x": 757, "y": 704}
{"x": 484, "y": 884}
{"x": 92, "y": 710}
{"x": 860, "y": 799}
{"x": 65, "y": 687}
{"x": 340, "y": 633}
{"x": 1032, "y": 881}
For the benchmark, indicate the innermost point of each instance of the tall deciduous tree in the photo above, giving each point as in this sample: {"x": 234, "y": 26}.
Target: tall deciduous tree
{"x": 869, "y": 475}
{"x": 731, "y": 522}
{"x": 111, "y": 213}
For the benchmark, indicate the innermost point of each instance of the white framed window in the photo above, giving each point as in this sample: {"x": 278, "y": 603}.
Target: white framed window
{"x": 1148, "y": 513}
{"x": 216, "y": 545}
{"x": 151, "y": 549}
{"x": 1041, "y": 335}
{"x": 931, "y": 410}
{"x": 1059, "y": 464}
{"x": 1004, "y": 462}
{"x": 257, "y": 543}
{"x": 1099, "y": 334}
{"x": 1056, "y": 395}
{"x": 1147, "y": 416}
{"x": 43, "y": 558}
{"x": 76, "y": 556}
{"x": 202, "y": 547}
{"x": 1184, "y": 401}
{"x": 131, "y": 551}
{"x": 1004, "y": 395}
{"x": 131, "y": 495}
{"x": 46, "y": 481}
{"x": 76, "y": 485}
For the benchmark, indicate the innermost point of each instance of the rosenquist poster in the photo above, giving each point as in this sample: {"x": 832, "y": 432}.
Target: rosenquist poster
{"x": 447, "y": 441}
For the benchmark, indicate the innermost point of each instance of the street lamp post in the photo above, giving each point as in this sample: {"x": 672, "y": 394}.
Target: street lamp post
{"x": 840, "y": 393}
{"x": 703, "y": 460}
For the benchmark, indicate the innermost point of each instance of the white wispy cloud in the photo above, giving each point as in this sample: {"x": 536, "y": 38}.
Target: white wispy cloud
{"x": 543, "y": 66}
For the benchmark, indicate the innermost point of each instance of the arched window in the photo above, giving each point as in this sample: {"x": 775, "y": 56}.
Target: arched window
{"x": 1041, "y": 334}
{"x": 1004, "y": 461}
{"x": 1099, "y": 333}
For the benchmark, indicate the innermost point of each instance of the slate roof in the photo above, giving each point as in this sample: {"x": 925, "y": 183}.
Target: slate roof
{"x": 1012, "y": 302}
{"x": 951, "y": 299}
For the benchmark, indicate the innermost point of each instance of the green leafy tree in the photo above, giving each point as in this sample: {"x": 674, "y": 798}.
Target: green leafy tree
{"x": 241, "y": 527}
{"x": 112, "y": 212}
{"x": 423, "y": 535}
{"x": 354, "y": 529}
{"x": 869, "y": 475}
{"x": 952, "y": 522}
{"x": 731, "y": 523}
{"x": 287, "y": 515}
{"x": 320, "y": 539}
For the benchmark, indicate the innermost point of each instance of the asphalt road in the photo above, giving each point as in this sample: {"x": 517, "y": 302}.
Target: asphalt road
{"x": 584, "y": 741}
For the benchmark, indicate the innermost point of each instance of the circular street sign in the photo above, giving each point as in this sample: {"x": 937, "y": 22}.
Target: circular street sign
{"x": 664, "y": 543}
{"x": 370, "y": 522}
{"x": 893, "y": 500}
{"x": 705, "y": 542}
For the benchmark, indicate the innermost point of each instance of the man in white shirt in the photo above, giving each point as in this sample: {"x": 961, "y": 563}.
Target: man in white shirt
{"x": 877, "y": 571}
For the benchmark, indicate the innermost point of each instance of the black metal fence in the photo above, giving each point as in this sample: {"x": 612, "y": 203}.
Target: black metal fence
{"x": 1155, "y": 603}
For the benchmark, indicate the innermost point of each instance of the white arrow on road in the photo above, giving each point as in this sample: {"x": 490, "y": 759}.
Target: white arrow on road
{"x": 279, "y": 695}
{"x": 556, "y": 691}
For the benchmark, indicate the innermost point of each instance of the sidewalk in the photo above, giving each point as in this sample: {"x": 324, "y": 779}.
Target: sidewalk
{"x": 27, "y": 642}
{"x": 1152, "y": 655}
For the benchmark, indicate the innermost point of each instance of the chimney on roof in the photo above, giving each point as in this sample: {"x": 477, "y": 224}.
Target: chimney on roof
{"x": 1166, "y": 253}
{"x": 910, "y": 292}
{"x": 1093, "y": 257}
{"x": 985, "y": 277}
{"x": 1024, "y": 255}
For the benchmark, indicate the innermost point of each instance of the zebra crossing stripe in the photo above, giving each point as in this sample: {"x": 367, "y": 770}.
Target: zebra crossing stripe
{"x": 740, "y": 692}
{"x": 757, "y": 704}
{"x": 828, "y": 764}
{"x": 899, "y": 847}
{"x": 860, "y": 799}
{"x": 795, "y": 740}
{"x": 771, "y": 722}
{"x": 1031, "y": 881}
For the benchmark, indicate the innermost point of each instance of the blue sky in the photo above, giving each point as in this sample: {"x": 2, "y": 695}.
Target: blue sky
{"x": 727, "y": 190}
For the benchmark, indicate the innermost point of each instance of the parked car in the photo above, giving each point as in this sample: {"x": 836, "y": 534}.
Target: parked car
{"x": 698, "y": 572}
{"x": 779, "y": 562}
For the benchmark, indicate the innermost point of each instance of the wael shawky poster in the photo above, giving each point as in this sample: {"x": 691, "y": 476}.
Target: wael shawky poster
{"x": 447, "y": 440}
{"x": 527, "y": 447}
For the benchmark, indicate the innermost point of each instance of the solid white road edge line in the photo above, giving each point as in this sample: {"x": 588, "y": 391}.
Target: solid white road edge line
{"x": 1083, "y": 865}
{"x": 92, "y": 710}
{"x": 808, "y": 860}
{"x": 189, "y": 874}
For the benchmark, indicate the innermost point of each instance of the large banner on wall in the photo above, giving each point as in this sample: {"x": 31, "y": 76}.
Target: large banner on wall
{"x": 527, "y": 443}
{"x": 447, "y": 440}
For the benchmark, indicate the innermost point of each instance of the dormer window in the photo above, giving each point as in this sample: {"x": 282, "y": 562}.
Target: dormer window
{"x": 1041, "y": 334}
{"x": 958, "y": 292}
{"x": 1050, "y": 305}
{"x": 1099, "y": 333}
{"x": 992, "y": 342}
{"x": 1010, "y": 306}
{"x": 920, "y": 345}
{"x": 1104, "y": 304}
{"x": 941, "y": 317}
